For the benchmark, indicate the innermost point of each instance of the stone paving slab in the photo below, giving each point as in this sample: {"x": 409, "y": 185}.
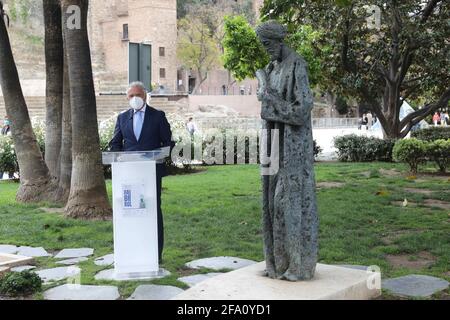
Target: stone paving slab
{"x": 82, "y": 292}
{"x": 219, "y": 263}
{"x": 74, "y": 253}
{"x": 109, "y": 275}
{"x": 33, "y": 252}
{"x": 415, "y": 285}
{"x": 6, "y": 248}
{"x": 197, "y": 278}
{"x": 22, "y": 268}
{"x": 57, "y": 274}
{"x": 105, "y": 260}
{"x": 155, "y": 292}
{"x": 70, "y": 262}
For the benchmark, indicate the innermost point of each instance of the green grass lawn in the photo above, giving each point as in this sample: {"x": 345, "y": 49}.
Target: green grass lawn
{"x": 218, "y": 212}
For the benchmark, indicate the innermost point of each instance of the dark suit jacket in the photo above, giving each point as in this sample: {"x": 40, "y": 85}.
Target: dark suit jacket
{"x": 155, "y": 134}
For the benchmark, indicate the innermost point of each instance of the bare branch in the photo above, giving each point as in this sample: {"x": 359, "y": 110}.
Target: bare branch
{"x": 417, "y": 116}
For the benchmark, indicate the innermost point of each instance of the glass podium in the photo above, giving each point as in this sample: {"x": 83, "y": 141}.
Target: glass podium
{"x": 135, "y": 213}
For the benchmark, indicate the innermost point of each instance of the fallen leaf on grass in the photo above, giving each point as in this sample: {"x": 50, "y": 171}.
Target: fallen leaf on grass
{"x": 382, "y": 193}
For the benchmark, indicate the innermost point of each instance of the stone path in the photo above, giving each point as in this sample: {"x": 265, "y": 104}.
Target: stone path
{"x": 197, "y": 278}
{"x": 74, "y": 253}
{"x": 70, "y": 262}
{"x": 57, "y": 274}
{"x": 105, "y": 260}
{"x": 415, "y": 285}
{"x": 33, "y": 252}
{"x": 5, "y": 248}
{"x": 155, "y": 292}
{"x": 219, "y": 263}
{"x": 81, "y": 292}
{"x": 22, "y": 268}
{"x": 109, "y": 275}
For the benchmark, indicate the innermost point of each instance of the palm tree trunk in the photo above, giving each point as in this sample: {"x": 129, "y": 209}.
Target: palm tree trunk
{"x": 54, "y": 61}
{"x": 88, "y": 198}
{"x": 66, "y": 142}
{"x": 35, "y": 182}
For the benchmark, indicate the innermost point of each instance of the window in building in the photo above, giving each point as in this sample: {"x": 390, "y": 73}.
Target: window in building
{"x": 125, "y": 32}
{"x": 162, "y": 51}
{"x": 162, "y": 73}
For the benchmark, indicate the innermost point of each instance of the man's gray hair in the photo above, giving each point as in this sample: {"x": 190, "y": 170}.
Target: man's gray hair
{"x": 136, "y": 84}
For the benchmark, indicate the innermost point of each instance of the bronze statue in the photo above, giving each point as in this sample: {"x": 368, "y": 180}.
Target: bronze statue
{"x": 290, "y": 221}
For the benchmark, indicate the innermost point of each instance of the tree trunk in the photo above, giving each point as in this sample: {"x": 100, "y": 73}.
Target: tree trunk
{"x": 199, "y": 83}
{"x": 88, "y": 198}
{"x": 35, "y": 182}
{"x": 54, "y": 60}
{"x": 66, "y": 142}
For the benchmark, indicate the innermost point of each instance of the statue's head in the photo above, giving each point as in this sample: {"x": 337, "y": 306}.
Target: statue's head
{"x": 271, "y": 34}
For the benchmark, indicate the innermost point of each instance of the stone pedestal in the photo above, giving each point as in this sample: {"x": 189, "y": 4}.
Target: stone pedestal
{"x": 329, "y": 283}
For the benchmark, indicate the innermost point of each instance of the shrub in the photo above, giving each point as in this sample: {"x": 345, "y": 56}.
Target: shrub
{"x": 356, "y": 148}
{"x": 412, "y": 151}
{"x": 439, "y": 152}
{"x": 23, "y": 283}
{"x": 8, "y": 159}
{"x": 317, "y": 149}
{"x": 432, "y": 133}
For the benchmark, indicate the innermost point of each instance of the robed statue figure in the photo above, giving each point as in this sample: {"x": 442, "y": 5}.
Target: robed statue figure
{"x": 290, "y": 221}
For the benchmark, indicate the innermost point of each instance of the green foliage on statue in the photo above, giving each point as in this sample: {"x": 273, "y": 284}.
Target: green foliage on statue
{"x": 243, "y": 53}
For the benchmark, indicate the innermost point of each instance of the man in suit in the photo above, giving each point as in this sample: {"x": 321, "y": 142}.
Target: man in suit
{"x": 143, "y": 128}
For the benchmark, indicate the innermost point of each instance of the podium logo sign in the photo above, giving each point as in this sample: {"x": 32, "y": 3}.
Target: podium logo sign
{"x": 133, "y": 197}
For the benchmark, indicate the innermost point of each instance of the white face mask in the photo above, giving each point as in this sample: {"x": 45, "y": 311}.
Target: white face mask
{"x": 136, "y": 103}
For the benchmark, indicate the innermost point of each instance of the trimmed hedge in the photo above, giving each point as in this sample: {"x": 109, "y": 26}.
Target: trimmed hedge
{"x": 411, "y": 151}
{"x": 439, "y": 152}
{"x": 414, "y": 152}
{"x": 354, "y": 148}
{"x": 432, "y": 133}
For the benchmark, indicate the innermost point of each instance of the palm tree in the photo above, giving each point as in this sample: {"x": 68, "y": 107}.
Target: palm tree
{"x": 35, "y": 181}
{"x": 54, "y": 62}
{"x": 88, "y": 198}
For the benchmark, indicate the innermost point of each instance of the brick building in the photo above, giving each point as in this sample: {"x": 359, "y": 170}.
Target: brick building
{"x": 133, "y": 40}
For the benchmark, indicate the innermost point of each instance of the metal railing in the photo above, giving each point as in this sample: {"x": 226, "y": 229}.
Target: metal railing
{"x": 246, "y": 123}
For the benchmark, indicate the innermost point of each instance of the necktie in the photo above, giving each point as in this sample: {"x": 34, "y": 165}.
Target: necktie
{"x": 138, "y": 122}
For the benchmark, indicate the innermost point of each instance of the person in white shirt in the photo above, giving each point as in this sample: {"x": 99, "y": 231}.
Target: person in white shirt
{"x": 191, "y": 127}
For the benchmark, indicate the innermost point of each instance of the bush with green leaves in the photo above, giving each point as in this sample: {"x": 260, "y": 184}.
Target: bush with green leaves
{"x": 439, "y": 152}
{"x": 354, "y": 148}
{"x": 8, "y": 159}
{"x": 412, "y": 151}
{"x": 432, "y": 133}
{"x": 15, "y": 284}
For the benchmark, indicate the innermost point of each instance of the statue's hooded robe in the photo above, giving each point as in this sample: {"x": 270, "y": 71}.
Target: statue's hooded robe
{"x": 290, "y": 219}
